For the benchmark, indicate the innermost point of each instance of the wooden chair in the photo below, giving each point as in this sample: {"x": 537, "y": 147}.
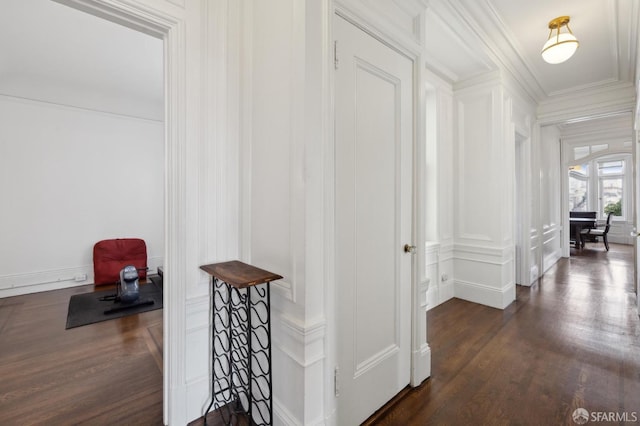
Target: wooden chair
{"x": 597, "y": 232}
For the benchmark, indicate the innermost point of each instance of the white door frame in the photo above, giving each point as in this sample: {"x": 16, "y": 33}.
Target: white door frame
{"x": 523, "y": 223}
{"x": 171, "y": 30}
{"x": 636, "y": 213}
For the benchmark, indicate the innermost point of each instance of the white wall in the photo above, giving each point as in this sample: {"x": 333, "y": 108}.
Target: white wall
{"x": 521, "y": 135}
{"x": 69, "y": 178}
{"x": 550, "y": 196}
{"x": 283, "y": 191}
{"x": 288, "y": 186}
{"x": 438, "y": 272}
{"x": 484, "y": 160}
{"x": 57, "y": 54}
{"x": 81, "y": 144}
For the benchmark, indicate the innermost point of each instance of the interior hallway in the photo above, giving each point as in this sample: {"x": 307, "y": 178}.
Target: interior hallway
{"x": 569, "y": 341}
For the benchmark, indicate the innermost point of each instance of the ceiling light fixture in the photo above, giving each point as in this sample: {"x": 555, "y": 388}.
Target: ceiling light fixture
{"x": 560, "y": 46}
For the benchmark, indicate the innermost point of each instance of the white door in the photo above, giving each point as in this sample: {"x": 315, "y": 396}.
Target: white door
{"x": 374, "y": 178}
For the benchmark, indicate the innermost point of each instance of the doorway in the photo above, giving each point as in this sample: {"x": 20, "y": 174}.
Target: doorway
{"x": 522, "y": 215}
{"x": 143, "y": 18}
{"x": 117, "y": 133}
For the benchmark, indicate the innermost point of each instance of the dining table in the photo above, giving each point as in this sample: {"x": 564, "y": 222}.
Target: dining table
{"x": 577, "y": 224}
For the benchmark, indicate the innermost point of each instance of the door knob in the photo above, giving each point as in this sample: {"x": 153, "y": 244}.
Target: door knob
{"x": 408, "y": 248}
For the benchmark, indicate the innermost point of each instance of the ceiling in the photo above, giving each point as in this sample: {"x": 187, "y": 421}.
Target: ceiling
{"x": 54, "y": 53}
{"x": 509, "y": 34}
{"x": 603, "y": 56}
{"x": 47, "y": 48}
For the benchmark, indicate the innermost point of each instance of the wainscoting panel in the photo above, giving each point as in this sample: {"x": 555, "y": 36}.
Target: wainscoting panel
{"x": 298, "y": 355}
{"x": 551, "y": 247}
{"x": 198, "y": 355}
{"x": 484, "y": 275}
{"x": 429, "y": 285}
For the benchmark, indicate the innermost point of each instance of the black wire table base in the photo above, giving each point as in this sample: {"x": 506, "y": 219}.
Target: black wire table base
{"x": 241, "y": 384}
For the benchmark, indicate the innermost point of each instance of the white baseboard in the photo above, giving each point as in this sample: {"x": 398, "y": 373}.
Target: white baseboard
{"x": 490, "y": 296}
{"x": 55, "y": 279}
{"x": 533, "y": 275}
{"x": 447, "y": 291}
{"x": 421, "y": 365}
{"x": 282, "y": 415}
{"x": 34, "y": 282}
{"x": 550, "y": 260}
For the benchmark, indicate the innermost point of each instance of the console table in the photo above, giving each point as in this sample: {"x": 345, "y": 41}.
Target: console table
{"x": 240, "y": 307}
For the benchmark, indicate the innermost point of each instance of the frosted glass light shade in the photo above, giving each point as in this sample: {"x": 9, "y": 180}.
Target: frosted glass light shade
{"x": 559, "y": 48}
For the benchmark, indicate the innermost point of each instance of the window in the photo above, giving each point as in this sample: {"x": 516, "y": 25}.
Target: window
{"x": 611, "y": 188}
{"x": 602, "y": 185}
{"x": 584, "y": 151}
{"x": 579, "y": 188}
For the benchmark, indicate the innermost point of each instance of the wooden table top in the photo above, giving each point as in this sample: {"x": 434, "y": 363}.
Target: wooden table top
{"x": 239, "y": 274}
{"x": 582, "y": 219}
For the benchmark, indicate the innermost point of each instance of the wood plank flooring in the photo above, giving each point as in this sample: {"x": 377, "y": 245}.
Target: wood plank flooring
{"x": 570, "y": 341}
{"x": 109, "y": 373}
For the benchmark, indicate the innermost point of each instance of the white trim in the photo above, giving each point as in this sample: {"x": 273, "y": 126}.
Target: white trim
{"x": 284, "y": 289}
{"x": 484, "y": 254}
{"x": 54, "y": 279}
{"x": 522, "y": 214}
{"x": 175, "y": 389}
{"x": 193, "y": 395}
{"x": 63, "y": 106}
{"x": 329, "y": 237}
{"x": 420, "y": 364}
{"x": 366, "y": 18}
{"x": 602, "y": 101}
{"x": 246, "y": 132}
{"x": 304, "y": 344}
{"x": 447, "y": 291}
{"x": 198, "y": 313}
{"x": 282, "y": 416}
{"x": 485, "y": 295}
{"x": 33, "y": 282}
{"x": 549, "y": 260}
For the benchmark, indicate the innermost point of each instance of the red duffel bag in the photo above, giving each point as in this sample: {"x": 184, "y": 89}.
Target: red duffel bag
{"x": 110, "y": 256}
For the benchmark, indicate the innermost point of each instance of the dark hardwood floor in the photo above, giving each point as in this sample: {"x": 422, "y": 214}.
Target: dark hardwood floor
{"x": 109, "y": 373}
{"x": 570, "y": 341}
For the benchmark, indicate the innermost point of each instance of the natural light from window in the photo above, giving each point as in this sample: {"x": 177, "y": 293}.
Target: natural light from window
{"x": 598, "y": 185}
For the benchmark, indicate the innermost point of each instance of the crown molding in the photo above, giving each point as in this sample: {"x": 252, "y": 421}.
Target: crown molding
{"x": 482, "y": 19}
{"x": 626, "y": 27}
{"x": 398, "y": 22}
{"x": 598, "y": 102}
{"x": 446, "y": 20}
{"x": 612, "y": 128}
